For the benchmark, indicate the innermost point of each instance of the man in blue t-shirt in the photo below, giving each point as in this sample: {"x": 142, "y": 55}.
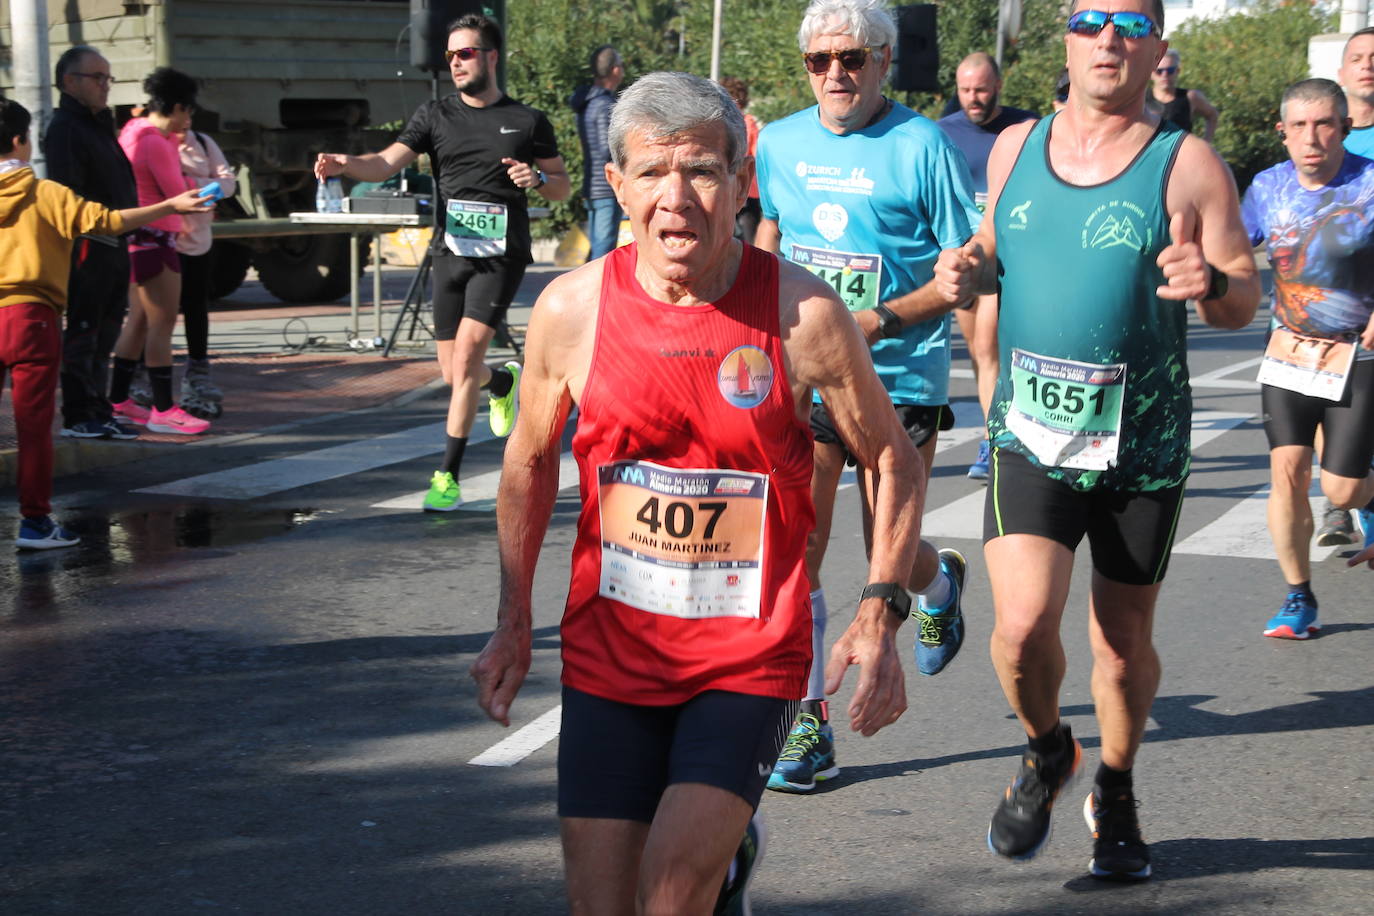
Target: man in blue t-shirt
{"x": 974, "y": 129}
{"x": 865, "y": 193}
{"x": 1315, "y": 213}
{"x": 1356, "y": 76}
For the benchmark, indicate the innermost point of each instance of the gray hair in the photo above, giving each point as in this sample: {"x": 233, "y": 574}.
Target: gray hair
{"x": 664, "y": 104}
{"x": 1173, "y": 52}
{"x": 1315, "y": 90}
{"x": 869, "y": 21}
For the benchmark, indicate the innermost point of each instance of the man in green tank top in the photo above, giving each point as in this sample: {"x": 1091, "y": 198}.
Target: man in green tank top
{"x": 1101, "y": 225}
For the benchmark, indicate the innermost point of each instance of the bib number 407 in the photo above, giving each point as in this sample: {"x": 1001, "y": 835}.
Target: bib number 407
{"x": 678, "y": 519}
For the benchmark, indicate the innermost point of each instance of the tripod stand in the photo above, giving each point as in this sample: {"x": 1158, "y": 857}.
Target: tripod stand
{"x": 414, "y": 304}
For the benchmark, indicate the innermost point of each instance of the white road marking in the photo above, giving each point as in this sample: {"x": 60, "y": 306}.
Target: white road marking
{"x": 1217, "y": 378}
{"x": 1243, "y": 531}
{"x": 515, "y": 748}
{"x": 963, "y": 518}
{"x": 274, "y": 476}
{"x": 479, "y": 492}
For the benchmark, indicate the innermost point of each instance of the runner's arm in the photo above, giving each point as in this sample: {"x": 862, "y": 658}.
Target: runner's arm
{"x": 1208, "y": 234}
{"x": 769, "y": 236}
{"x": 1204, "y": 109}
{"x": 825, "y": 352}
{"x": 557, "y": 185}
{"x": 375, "y": 167}
{"x": 524, "y": 501}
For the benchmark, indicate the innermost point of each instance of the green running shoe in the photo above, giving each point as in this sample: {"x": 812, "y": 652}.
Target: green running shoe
{"x": 444, "y": 493}
{"x": 503, "y": 408}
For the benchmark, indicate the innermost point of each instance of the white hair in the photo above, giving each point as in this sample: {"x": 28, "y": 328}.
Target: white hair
{"x": 869, "y": 21}
{"x": 664, "y": 104}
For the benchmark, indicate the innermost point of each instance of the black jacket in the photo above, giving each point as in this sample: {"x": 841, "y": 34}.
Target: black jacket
{"x": 84, "y": 155}
{"x": 593, "y": 105}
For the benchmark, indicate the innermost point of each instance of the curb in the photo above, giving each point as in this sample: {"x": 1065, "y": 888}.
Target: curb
{"x": 76, "y": 456}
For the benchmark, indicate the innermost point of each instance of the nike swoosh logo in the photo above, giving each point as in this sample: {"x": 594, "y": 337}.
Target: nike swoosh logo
{"x": 509, "y": 130}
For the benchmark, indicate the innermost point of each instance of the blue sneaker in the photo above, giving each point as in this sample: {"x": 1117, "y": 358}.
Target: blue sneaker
{"x": 807, "y": 758}
{"x": 979, "y": 469}
{"x": 940, "y": 631}
{"x": 1366, "y": 516}
{"x": 1297, "y": 619}
{"x": 43, "y": 534}
{"x": 734, "y": 894}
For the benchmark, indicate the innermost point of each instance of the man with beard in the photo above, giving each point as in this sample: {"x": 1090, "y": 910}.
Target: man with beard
{"x": 974, "y": 130}
{"x": 487, "y": 150}
{"x": 1318, "y": 369}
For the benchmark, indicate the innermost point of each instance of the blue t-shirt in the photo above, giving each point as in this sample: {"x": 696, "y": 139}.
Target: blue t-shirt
{"x": 1320, "y": 244}
{"x": 870, "y": 212}
{"x": 1360, "y": 141}
{"x": 975, "y": 142}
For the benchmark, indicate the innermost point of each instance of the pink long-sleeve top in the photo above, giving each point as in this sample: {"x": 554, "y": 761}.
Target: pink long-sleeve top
{"x": 157, "y": 167}
{"x": 202, "y": 162}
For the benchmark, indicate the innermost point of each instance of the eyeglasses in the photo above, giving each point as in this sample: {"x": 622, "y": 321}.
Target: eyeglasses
{"x": 1165, "y": 71}
{"x": 103, "y": 79}
{"x": 462, "y": 54}
{"x": 851, "y": 59}
{"x": 1127, "y": 25}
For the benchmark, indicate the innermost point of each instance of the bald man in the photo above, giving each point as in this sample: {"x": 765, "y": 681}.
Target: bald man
{"x": 974, "y": 129}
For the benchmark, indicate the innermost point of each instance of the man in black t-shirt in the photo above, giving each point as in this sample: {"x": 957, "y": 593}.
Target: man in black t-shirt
{"x": 487, "y": 150}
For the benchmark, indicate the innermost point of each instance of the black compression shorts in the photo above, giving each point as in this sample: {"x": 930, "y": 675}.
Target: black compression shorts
{"x": 1347, "y": 425}
{"x": 920, "y": 422}
{"x": 1130, "y": 532}
{"x": 478, "y": 288}
{"x": 615, "y": 760}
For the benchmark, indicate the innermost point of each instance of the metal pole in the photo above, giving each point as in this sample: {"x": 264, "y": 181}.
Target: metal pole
{"x": 716, "y": 16}
{"x": 32, "y": 89}
{"x": 1354, "y": 15}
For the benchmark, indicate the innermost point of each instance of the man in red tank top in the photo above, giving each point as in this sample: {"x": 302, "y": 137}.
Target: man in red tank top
{"x": 692, "y": 358}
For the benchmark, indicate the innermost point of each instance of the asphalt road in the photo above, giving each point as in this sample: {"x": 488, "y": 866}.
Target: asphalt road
{"x": 247, "y": 692}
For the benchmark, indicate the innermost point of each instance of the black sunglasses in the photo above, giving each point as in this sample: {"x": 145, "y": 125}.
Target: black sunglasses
{"x": 852, "y": 59}
{"x": 462, "y": 54}
{"x": 1127, "y": 25}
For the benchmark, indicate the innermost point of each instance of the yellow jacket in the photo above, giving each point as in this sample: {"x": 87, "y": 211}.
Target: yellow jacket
{"x": 38, "y": 221}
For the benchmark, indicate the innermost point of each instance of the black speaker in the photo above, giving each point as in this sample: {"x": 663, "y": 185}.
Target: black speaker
{"x": 916, "y": 65}
{"x": 429, "y": 22}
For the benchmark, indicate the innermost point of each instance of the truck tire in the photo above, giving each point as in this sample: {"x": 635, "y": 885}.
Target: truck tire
{"x": 228, "y": 267}
{"x": 307, "y": 268}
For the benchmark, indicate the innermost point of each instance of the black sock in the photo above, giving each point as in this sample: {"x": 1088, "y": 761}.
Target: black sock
{"x": 817, "y": 708}
{"x": 501, "y": 381}
{"x": 160, "y": 377}
{"x": 1051, "y": 743}
{"x": 121, "y": 376}
{"x": 453, "y": 454}
{"x": 1111, "y": 781}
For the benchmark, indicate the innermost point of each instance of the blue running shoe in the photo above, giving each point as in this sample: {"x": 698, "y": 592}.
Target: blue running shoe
{"x": 43, "y": 534}
{"x": 734, "y": 894}
{"x": 979, "y": 469}
{"x": 807, "y": 758}
{"x": 1297, "y": 619}
{"x": 1367, "y": 523}
{"x": 940, "y": 631}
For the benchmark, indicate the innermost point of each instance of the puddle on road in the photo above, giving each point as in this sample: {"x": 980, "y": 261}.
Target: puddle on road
{"x": 113, "y": 541}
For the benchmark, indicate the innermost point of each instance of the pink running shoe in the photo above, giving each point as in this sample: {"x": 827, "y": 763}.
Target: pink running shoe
{"x": 132, "y": 411}
{"x": 176, "y": 421}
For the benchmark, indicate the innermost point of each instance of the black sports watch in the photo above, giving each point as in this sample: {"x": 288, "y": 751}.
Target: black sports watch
{"x": 888, "y": 322}
{"x": 542, "y": 178}
{"x": 896, "y": 597}
{"x": 1217, "y": 285}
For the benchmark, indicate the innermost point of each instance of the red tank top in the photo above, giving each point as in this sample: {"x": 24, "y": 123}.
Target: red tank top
{"x": 688, "y": 573}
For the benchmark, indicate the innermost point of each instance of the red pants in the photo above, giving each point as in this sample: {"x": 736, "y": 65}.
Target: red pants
{"x": 31, "y": 350}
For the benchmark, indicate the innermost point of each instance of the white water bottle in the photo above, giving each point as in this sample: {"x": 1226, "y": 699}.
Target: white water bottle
{"x": 335, "y": 195}
{"x": 322, "y": 196}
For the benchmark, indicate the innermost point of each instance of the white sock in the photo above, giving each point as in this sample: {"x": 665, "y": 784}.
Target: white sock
{"x": 938, "y": 592}
{"x": 815, "y": 683}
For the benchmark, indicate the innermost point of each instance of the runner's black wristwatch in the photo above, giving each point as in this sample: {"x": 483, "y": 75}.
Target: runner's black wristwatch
{"x": 888, "y": 322}
{"x": 896, "y": 597}
{"x": 1217, "y": 285}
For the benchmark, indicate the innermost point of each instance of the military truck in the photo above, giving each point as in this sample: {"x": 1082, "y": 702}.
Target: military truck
{"x": 281, "y": 80}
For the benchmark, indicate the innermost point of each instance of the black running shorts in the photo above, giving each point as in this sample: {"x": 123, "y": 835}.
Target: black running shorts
{"x": 1347, "y": 425}
{"x": 615, "y": 760}
{"x": 920, "y": 422}
{"x": 1130, "y": 532}
{"x": 478, "y": 288}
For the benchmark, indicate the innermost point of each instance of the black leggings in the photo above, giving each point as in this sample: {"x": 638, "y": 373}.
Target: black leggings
{"x": 1347, "y": 425}
{"x": 195, "y": 302}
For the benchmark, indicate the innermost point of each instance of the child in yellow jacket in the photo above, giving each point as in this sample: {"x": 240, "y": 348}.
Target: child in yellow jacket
{"x": 38, "y": 222}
